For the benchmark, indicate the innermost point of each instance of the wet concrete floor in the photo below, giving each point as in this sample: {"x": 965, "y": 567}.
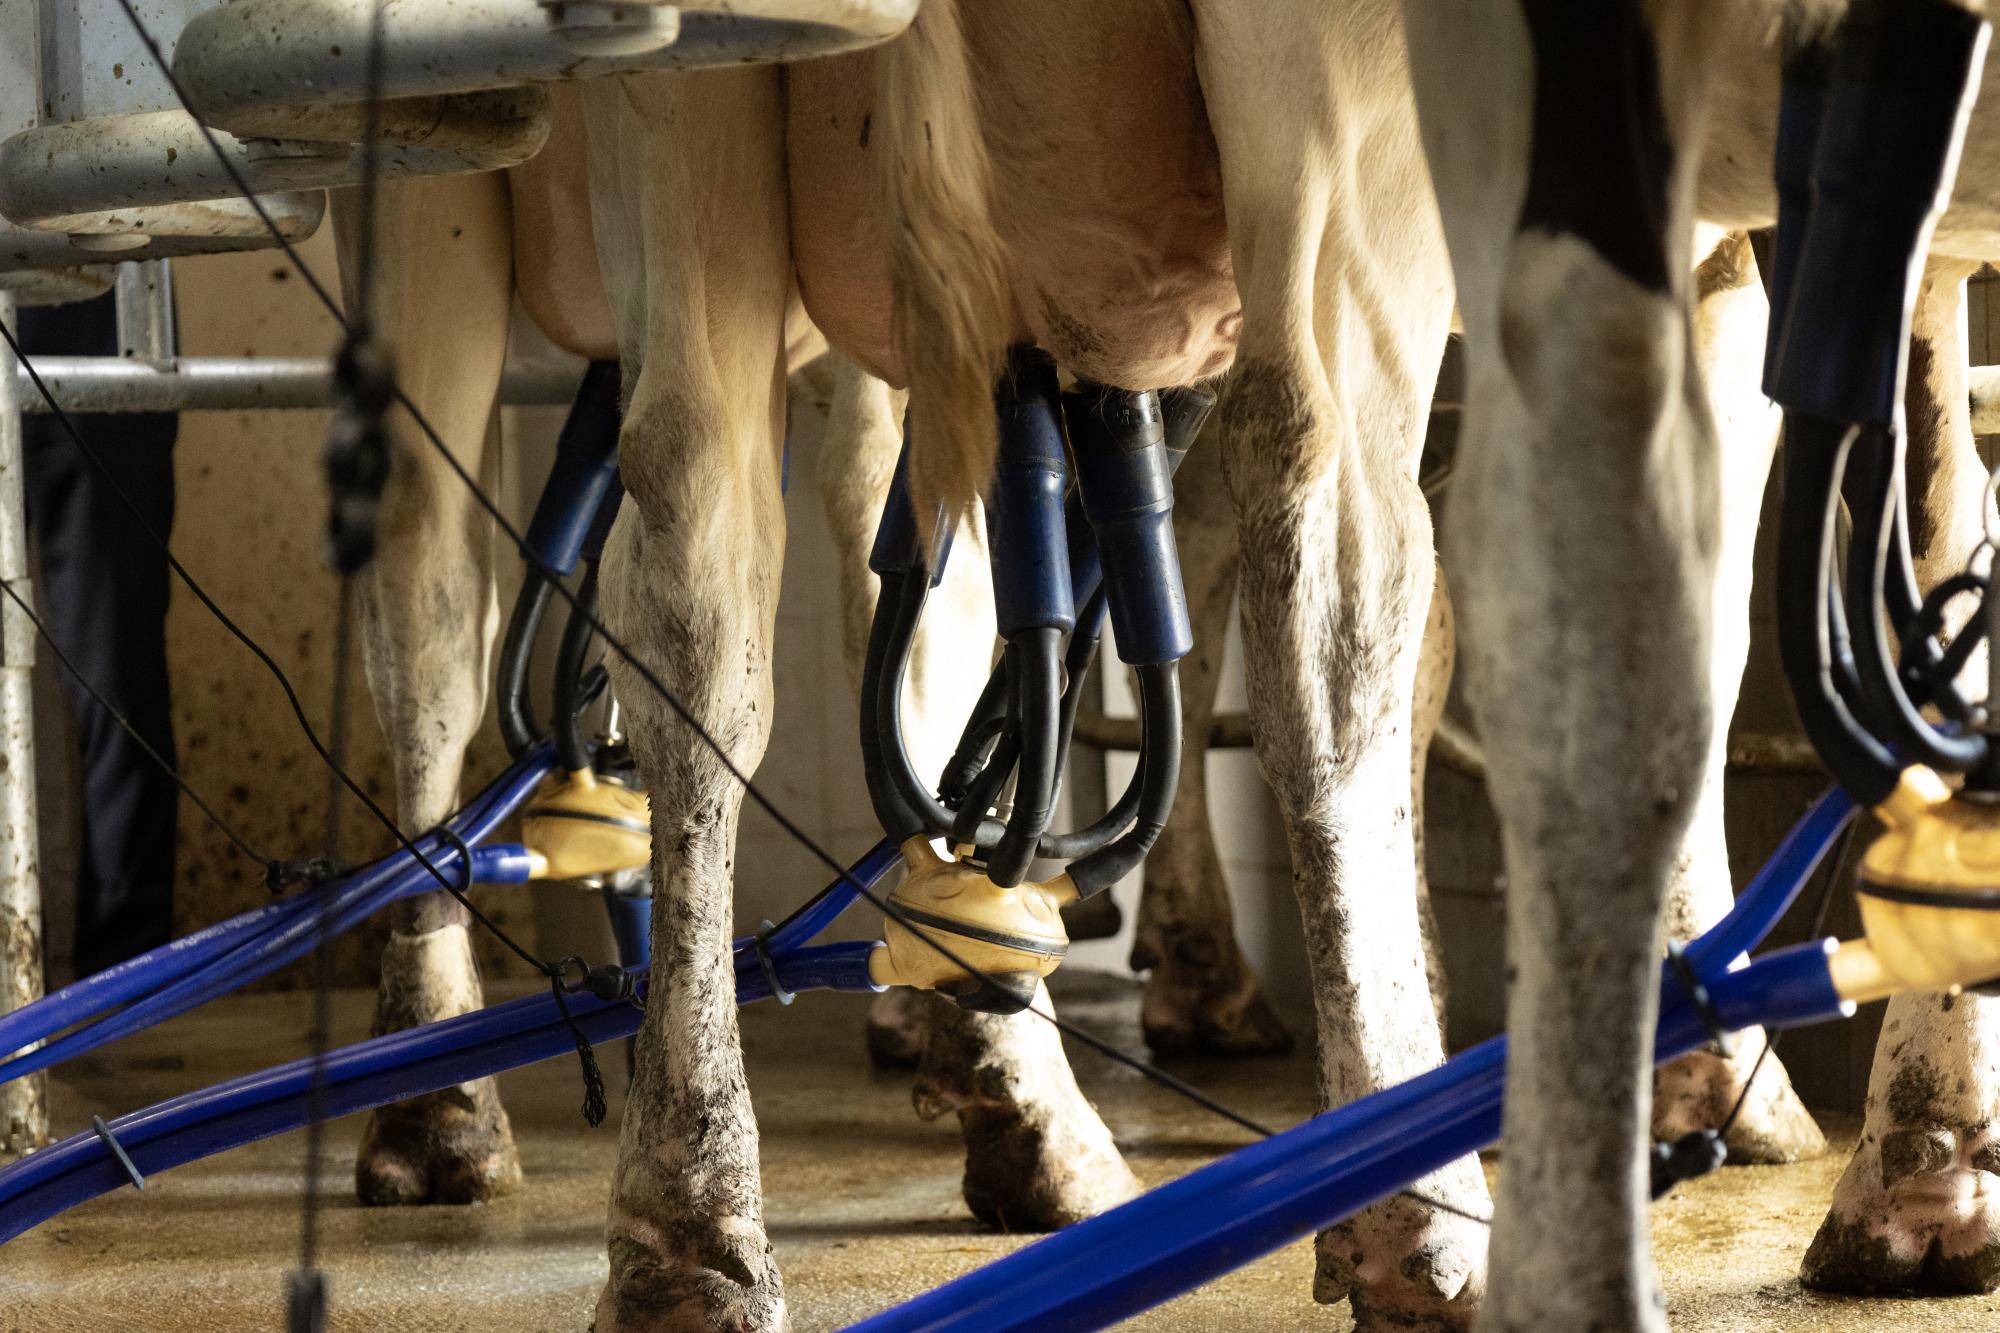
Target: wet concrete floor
{"x": 862, "y": 1199}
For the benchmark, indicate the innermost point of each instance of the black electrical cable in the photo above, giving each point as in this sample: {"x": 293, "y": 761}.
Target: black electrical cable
{"x": 236, "y": 839}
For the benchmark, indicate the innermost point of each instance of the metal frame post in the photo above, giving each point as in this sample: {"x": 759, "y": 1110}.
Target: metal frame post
{"x": 145, "y": 302}
{"x": 24, "y": 1103}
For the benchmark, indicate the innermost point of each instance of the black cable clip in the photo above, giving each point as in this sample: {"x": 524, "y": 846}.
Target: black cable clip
{"x": 1688, "y": 1157}
{"x": 1697, "y": 993}
{"x": 357, "y": 448}
{"x": 118, "y": 1152}
{"x": 608, "y": 982}
{"x": 763, "y": 947}
{"x": 310, "y": 870}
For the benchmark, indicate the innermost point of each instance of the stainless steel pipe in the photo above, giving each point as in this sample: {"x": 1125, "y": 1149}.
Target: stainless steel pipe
{"x": 234, "y": 383}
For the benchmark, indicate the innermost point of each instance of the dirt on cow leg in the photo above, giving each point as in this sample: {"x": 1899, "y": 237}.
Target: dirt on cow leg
{"x": 1037, "y": 1155}
{"x": 450, "y": 1146}
{"x": 1918, "y": 1208}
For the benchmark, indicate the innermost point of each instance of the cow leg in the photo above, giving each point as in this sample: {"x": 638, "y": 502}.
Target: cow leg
{"x": 1581, "y": 545}
{"x": 1918, "y": 1208}
{"x": 1432, "y": 691}
{"x": 1698, "y": 1090}
{"x": 1037, "y": 1156}
{"x": 442, "y": 284}
{"x": 688, "y": 202}
{"x": 1346, "y": 301}
{"x": 1200, "y": 992}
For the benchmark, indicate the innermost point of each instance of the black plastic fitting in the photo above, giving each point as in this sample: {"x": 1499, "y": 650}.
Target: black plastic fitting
{"x": 1122, "y": 471}
{"x": 1024, "y": 507}
{"x": 1888, "y": 133}
{"x": 584, "y": 472}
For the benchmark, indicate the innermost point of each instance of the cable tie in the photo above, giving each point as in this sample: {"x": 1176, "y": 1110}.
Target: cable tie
{"x": 764, "y": 961}
{"x": 118, "y": 1152}
{"x": 458, "y": 844}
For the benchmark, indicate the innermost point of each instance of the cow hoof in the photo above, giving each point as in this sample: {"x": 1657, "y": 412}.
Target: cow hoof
{"x": 1040, "y": 1173}
{"x": 1202, "y": 999}
{"x": 1697, "y": 1090}
{"x": 727, "y": 1283}
{"x": 899, "y": 1027}
{"x": 1917, "y": 1211}
{"x": 1036, "y": 1167}
{"x": 1404, "y": 1264}
{"x": 451, "y": 1146}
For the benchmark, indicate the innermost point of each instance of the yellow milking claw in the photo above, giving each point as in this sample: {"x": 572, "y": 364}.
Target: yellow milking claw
{"x": 1011, "y": 937}
{"x": 587, "y": 826}
{"x": 1930, "y": 894}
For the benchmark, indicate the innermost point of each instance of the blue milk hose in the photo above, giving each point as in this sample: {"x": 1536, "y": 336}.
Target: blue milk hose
{"x": 1166, "y": 1242}
{"x": 186, "y": 973}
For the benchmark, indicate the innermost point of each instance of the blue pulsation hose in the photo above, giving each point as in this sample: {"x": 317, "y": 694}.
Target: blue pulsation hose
{"x": 293, "y": 940}
{"x": 161, "y": 968}
{"x": 1264, "y": 1196}
{"x": 231, "y": 945}
{"x": 1776, "y": 885}
{"x": 825, "y": 906}
{"x": 367, "y": 1074}
{"x": 102, "y": 991}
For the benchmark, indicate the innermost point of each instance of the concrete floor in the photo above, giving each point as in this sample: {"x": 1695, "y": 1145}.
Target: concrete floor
{"x": 862, "y": 1199}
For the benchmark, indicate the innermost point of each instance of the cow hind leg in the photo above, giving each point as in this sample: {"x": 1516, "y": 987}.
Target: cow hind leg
{"x": 1037, "y": 1154}
{"x": 1346, "y": 304}
{"x": 1918, "y": 1208}
{"x": 1581, "y": 543}
{"x": 441, "y": 290}
{"x": 1701, "y": 1089}
{"x": 1201, "y": 995}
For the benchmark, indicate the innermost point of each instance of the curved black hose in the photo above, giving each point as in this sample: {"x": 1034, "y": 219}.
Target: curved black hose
{"x": 984, "y": 790}
{"x": 1809, "y": 626}
{"x": 890, "y": 641}
{"x": 571, "y": 748}
{"x": 1160, "y": 732}
{"x": 1037, "y": 673}
{"x": 975, "y": 743}
{"x": 1938, "y": 672}
{"x": 518, "y": 727}
{"x": 1114, "y": 821}
{"x": 897, "y": 818}
{"x": 1870, "y": 584}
